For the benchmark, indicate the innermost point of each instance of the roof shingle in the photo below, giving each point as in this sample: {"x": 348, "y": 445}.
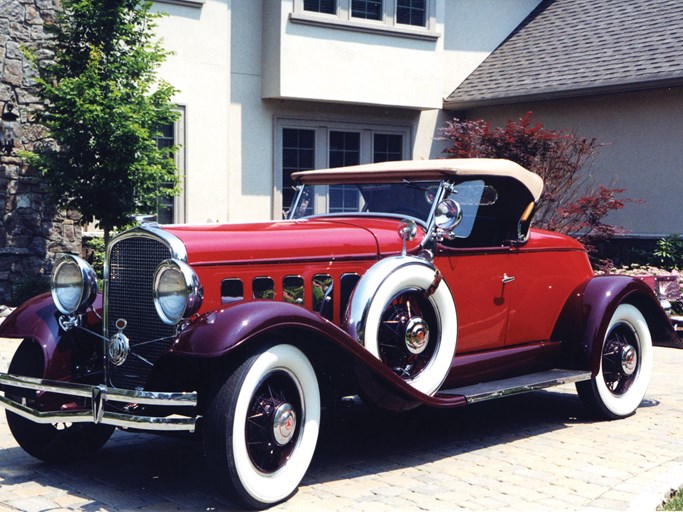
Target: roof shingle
{"x": 573, "y": 47}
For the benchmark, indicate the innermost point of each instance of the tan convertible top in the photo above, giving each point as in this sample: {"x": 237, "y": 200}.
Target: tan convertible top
{"x": 387, "y": 172}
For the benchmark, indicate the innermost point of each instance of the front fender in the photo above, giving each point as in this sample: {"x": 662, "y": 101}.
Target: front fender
{"x": 583, "y": 323}
{"x": 38, "y": 319}
{"x": 220, "y": 332}
{"x": 35, "y": 318}
{"x": 216, "y": 333}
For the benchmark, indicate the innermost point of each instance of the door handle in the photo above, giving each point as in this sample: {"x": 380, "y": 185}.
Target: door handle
{"x": 508, "y": 279}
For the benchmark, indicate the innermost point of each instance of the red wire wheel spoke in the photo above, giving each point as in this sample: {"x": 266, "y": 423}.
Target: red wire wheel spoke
{"x": 407, "y": 334}
{"x": 276, "y": 393}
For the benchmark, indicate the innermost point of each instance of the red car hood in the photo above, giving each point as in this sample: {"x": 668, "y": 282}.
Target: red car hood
{"x": 306, "y": 239}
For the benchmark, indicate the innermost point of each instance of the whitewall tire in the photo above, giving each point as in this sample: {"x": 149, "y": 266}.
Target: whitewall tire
{"x": 412, "y": 331}
{"x": 625, "y": 366}
{"x": 262, "y": 426}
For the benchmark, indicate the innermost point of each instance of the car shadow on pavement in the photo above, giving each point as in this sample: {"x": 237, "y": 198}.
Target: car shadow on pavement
{"x": 159, "y": 473}
{"x": 369, "y": 441}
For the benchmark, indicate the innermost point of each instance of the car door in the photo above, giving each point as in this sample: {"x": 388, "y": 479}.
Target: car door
{"x": 476, "y": 278}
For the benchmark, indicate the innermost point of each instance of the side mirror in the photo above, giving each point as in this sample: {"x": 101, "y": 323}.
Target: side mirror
{"x": 448, "y": 214}
{"x": 407, "y": 230}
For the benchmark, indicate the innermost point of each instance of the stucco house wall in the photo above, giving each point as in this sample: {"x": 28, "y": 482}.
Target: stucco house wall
{"x": 198, "y": 35}
{"x": 248, "y": 68}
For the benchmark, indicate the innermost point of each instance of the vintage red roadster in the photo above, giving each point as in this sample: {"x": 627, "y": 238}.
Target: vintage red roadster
{"x": 415, "y": 283}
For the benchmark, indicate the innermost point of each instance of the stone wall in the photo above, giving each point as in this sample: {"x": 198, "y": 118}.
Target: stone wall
{"x": 31, "y": 231}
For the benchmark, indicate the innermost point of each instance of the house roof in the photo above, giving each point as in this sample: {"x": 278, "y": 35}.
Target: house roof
{"x": 570, "y": 48}
{"x": 397, "y": 171}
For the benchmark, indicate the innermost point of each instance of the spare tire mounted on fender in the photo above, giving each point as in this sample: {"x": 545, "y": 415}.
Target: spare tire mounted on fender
{"x": 404, "y": 314}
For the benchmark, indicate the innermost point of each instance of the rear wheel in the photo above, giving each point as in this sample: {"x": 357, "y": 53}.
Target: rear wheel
{"x": 262, "y": 426}
{"x": 54, "y": 442}
{"x": 625, "y": 366}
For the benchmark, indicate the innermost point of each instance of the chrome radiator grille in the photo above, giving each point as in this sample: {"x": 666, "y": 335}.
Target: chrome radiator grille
{"x": 132, "y": 263}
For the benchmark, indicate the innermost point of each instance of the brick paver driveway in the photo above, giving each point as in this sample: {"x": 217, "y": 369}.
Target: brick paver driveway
{"x": 532, "y": 452}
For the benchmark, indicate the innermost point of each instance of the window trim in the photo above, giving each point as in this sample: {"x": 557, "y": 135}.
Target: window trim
{"x": 179, "y": 201}
{"x": 180, "y": 134}
{"x": 388, "y": 26}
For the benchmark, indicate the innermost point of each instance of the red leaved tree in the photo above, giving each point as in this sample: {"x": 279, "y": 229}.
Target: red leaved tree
{"x": 571, "y": 202}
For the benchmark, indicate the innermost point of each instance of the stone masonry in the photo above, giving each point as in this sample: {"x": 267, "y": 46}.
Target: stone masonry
{"x": 31, "y": 230}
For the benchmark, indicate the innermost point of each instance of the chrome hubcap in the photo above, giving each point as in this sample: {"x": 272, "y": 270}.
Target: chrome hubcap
{"x": 407, "y": 339}
{"x": 284, "y": 423}
{"x": 629, "y": 360}
{"x": 417, "y": 335}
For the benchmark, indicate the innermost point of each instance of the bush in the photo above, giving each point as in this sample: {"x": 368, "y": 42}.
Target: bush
{"x": 93, "y": 253}
{"x": 669, "y": 252}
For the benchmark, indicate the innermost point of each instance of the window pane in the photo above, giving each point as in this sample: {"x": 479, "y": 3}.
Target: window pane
{"x": 344, "y": 148}
{"x": 165, "y": 205}
{"x": 298, "y": 154}
{"x": 263, "y": 288}
{"x": 348, "y": 284}
{"x": 326, "y": 6}
{"x": 387, "y": 147}
{"x": 165, "y": 210}
{"x": 322, "y": 295}
{"x": 368, "y": 9}
{"x": 411, "y": 12}
{"x": 232, "y": 290}
{"x": 293, "y": 289}
{"x": 344, "y": 151}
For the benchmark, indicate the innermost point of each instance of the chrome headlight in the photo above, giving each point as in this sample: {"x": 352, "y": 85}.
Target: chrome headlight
{"x": 73, "y": 284}
{"x": 177, "y": 291}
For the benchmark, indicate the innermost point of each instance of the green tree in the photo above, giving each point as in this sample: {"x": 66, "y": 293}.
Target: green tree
{"x": 103, "y": 108}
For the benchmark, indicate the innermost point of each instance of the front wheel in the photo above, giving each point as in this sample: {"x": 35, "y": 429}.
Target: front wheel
{"x": 262, "y": 426}
{"x": 625, "y": 366}
{"x": 55, "y": 442}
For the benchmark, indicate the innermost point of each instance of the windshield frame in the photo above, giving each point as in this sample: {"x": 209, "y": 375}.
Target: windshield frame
{"x": 305, "y": 192}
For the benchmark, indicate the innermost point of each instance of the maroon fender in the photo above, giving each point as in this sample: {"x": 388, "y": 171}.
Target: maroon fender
{"x": 37, "y": 319}
{"x": 217, "y": 333}
{"x": 583, "y": 323}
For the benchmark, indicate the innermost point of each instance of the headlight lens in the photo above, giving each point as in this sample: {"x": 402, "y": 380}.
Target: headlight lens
{"x": 177, "y": 291}
{"x": 73, "y": 284}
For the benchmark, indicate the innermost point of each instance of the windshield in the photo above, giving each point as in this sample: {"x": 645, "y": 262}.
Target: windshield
{"x": 413, "y": 199}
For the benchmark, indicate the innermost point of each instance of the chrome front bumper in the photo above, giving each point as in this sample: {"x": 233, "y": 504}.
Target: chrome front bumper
{"x": 99, "y": 396}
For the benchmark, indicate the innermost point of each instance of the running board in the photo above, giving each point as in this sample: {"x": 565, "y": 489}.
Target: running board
{"x": 517, "y": 385}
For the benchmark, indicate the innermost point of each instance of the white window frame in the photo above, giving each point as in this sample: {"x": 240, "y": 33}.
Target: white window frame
{"x": 322, "y": 130}
{"x": 180, "y": 157}
{"x": 388, "y": 25}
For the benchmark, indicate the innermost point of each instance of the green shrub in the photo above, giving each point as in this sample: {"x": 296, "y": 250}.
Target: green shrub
{"x": 93, "y": 251}
{"x": 669, "y": 252}
{"x": 675, "y": 502}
